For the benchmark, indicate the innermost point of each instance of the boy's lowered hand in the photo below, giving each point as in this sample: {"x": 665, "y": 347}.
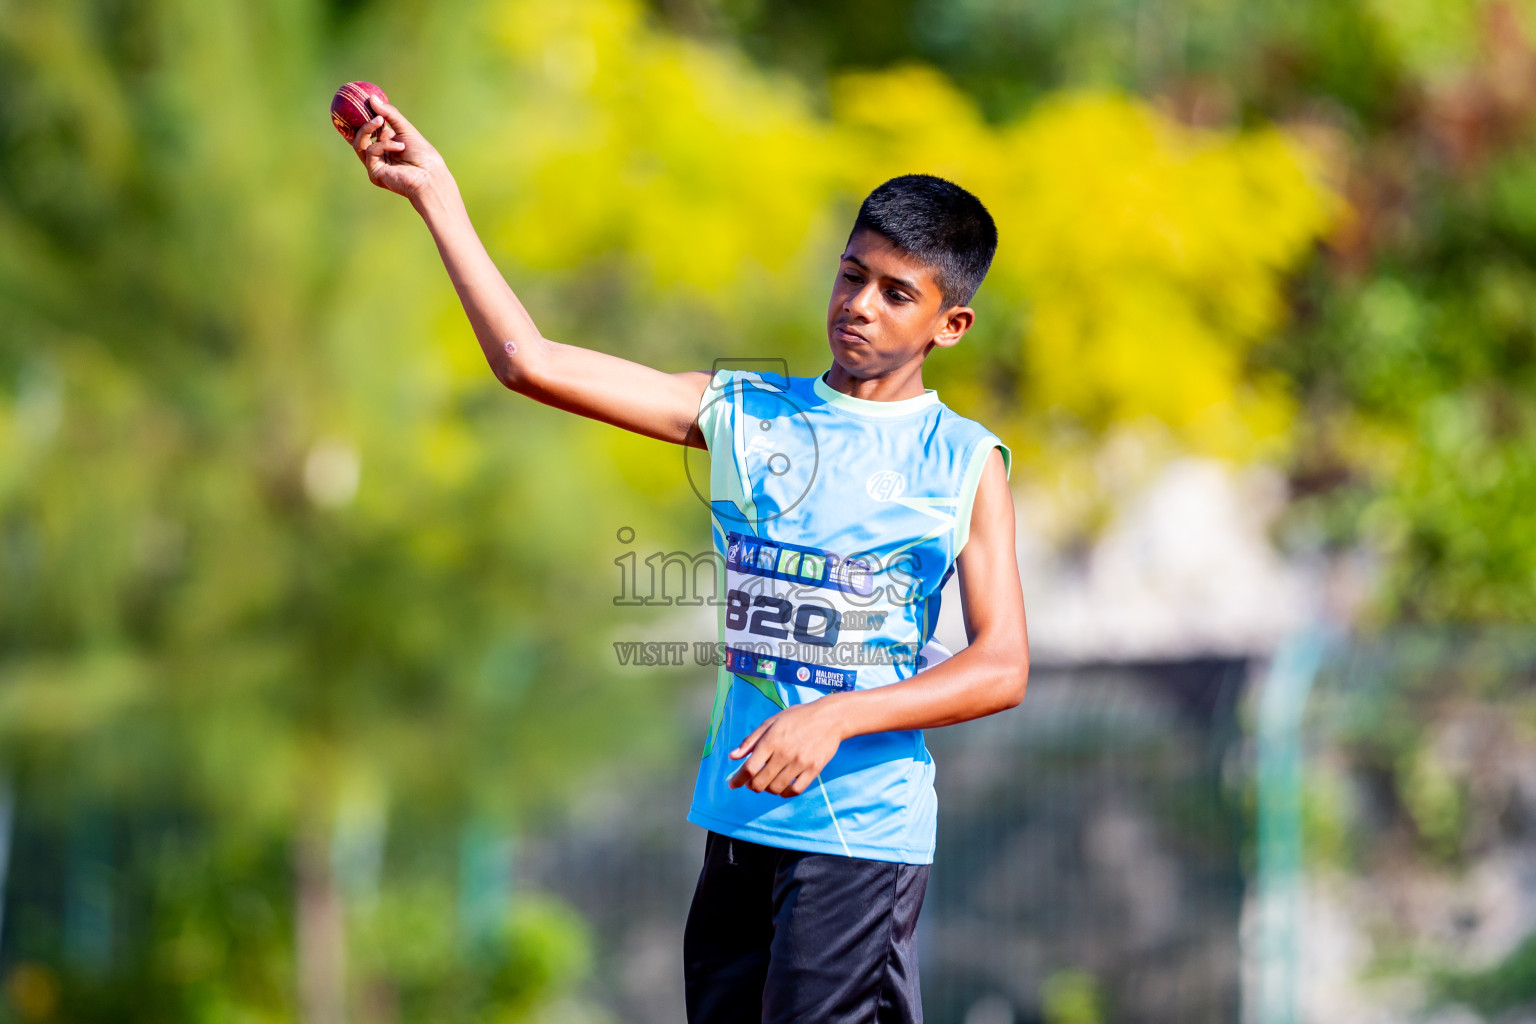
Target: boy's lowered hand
{"x": 788, "y": 751}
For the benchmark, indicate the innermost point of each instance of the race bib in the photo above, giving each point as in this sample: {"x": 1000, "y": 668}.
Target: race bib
{"x": 801, "y": 615}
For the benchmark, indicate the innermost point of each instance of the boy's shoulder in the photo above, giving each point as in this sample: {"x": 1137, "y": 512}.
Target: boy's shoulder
{"x": 802, "y": 394}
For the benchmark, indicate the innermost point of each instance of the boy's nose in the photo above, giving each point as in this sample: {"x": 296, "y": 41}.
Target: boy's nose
{"x": 859, "y": 302}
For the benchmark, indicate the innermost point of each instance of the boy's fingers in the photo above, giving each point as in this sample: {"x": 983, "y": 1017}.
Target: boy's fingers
{"x": 393, "y": 116}
{"x": 363, "y": 137}
{"x": 760, "y": 762}
{"x": 747, "y": 744}
{"x": 752, "y": 772}
{"x": 782, "y": 779}
{"x": 379, "y": 148}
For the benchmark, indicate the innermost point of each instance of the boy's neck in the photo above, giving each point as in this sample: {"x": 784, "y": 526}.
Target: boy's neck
{"x": 902, "y": 383}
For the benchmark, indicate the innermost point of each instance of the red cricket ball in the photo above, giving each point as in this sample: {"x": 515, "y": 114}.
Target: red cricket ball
{"x": 351, "y": 109}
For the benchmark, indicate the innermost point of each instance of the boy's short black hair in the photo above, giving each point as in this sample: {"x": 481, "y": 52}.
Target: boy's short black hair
{"x": 939, "y": 223}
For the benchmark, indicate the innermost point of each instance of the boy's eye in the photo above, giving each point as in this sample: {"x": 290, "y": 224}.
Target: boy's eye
{"x": 896, "y": 296}
{"x": 849, "y": 275}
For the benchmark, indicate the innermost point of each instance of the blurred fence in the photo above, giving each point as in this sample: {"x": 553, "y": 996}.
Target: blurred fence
{"x": 1089, "y": 852}
{"x": 1346, "y": 833}
{"x": 1396, "y": 797}
{"x": 1088, "y": 862}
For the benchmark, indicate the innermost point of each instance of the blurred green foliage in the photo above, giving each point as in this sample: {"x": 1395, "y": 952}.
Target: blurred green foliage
{"x": 293, "y": 588}
{"x": 1509, "y": 983}
{"x": 1409, "y": 352}
{"x": 1072, "y": 997}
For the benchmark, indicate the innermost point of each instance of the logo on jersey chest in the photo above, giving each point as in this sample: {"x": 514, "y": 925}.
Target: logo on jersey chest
{"x": 886, "y": 485}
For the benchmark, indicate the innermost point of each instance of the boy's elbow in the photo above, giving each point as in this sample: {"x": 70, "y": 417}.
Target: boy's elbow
{"x": 1016, "y": 681}
{"x": 516, "y": 367}
{"x": 514, "y": 376}
{"x": 1014, "y": 696}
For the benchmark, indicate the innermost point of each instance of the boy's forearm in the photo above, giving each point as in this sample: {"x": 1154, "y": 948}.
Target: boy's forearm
{"x": 495, "y": 312}
{"x": 977, "y": 682}
{"x": 580, "y": 380}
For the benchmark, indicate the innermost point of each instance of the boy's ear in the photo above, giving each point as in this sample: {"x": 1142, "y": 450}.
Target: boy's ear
{"x": 956, "y": 321}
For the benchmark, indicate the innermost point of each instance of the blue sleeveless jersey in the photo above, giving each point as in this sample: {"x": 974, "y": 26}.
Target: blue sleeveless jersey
{"x": 836, "y": 524}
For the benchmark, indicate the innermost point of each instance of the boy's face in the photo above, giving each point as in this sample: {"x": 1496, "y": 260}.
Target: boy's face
{"x": 887, "y": 309}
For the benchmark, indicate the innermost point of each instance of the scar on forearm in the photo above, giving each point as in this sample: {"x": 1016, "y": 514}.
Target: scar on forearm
{"x": 511, "y": 348}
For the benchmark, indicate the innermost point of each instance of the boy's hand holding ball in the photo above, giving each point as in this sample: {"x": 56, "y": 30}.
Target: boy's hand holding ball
{"x": 400, "y": 159}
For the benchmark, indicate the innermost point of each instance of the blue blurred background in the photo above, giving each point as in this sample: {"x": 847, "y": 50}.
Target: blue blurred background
{"x": 310, "y": 704}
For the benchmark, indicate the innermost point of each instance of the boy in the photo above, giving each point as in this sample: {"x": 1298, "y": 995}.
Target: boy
{"x": 840, "y": 507}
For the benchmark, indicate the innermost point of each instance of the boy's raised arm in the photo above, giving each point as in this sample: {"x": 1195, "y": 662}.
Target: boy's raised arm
{"x": 584, "y": 381}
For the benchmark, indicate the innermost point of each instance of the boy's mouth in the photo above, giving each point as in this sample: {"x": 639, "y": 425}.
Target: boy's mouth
{"x": 843, "y": 333}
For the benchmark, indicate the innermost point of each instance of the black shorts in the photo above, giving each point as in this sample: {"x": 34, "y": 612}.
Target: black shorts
{"x": 780, "y": 935}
